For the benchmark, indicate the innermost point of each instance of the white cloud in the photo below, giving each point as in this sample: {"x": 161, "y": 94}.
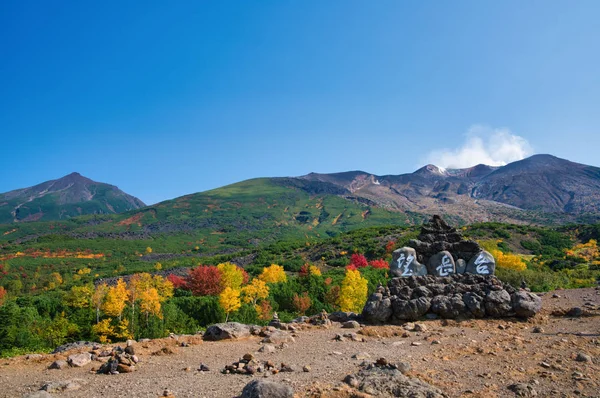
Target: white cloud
{"x": 483, "y": 145}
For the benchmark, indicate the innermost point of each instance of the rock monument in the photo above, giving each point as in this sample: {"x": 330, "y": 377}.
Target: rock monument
{"x": 441, "y": 250}
{"x": 444, "y": 275}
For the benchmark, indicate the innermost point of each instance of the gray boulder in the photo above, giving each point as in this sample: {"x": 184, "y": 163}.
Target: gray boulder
{"x": 474, "y": 303}
{"x": 79, "y": 360}
{"x": 411, "y": 310}
{"x": 58, "y": 364}
{"x": 526, "y": 304}
{"x": 341, "y": 316}
{"x": 498, "y": 303}
{"x": 449, "y": 307}
{"x": 226, "y": 331}
{"x": 461, "y": 266}
{"x": 441, "y": 264}
{"x": 482, "y": 263}
{"x": 377, "y": 309}
{"x": 404, "y": 263}
{"x": 351, "y": 325}
{"x": 266, "y": 389}
{"x": 385, "y": 382}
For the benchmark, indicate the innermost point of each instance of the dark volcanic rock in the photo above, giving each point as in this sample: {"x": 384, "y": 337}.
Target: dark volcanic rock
{"x": 266, "y": 389}
{"x": 456, "y": 296}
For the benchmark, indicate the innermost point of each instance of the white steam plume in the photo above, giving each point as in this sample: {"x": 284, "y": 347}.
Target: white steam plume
{"x": 483, "y": 145}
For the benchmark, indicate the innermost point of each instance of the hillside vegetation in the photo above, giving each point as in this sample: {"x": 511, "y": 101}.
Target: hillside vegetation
{"x": 67, "y": 286}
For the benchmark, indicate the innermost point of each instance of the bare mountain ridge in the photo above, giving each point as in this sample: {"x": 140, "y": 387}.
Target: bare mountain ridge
{"x": 66, "y": 197}
{"x": 542, "y": 183}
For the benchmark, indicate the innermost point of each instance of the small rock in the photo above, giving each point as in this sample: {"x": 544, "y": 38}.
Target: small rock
{"x": 248, "y": 357}
{"x": 433, "y": 342}
{"x": 416, "y": 343}
{"x": 575, "y": 312}
{"x": 351, "y": 381}
{"x": 583, "y": 357}
{"x": 420, "y": 327}
{"x": 306, "y": 368}
{"x": 537, "y": 329}
{"x": 59, "y": 364}
{"x": 545, "y": 365}
{"x": 267, "y": 348}
{"x": 350, "y": 325}
{"x": 523, "y": 390}
{"x": 38, "y": 394}
{"x": 168, "y": 394}
{"x": 33, "y": 357}
{"x": 203, "y": 368}
{"x": 361, "y": 355}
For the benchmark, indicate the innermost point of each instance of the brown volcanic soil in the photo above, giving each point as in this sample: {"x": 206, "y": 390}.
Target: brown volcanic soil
{"x": 475, "y": 358}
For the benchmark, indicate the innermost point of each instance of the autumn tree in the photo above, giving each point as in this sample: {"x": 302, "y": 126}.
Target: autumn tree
{"x": 177, "y": 281}
{"x": 358, "y": 260}
{"x": 3, "y": 293}
{"x": 353, "y": 292}
{"x": 229, "y": 300}
{"x": 379, "y": 264}
{"x": 104, "y": 330}
{"x": 204, "y": 280}
{"x": 98, "y": 299}
{"x": 309, "y": 269}
{"x": 80, "y": 296}
{"x": 232, "y": 276}
{"x": 254, "y": 291}
{"x": 150, "y": 303}
{"x": 115, "y": 299}
{"x": 302, "y": 303}
{"x": 273, "y": 274}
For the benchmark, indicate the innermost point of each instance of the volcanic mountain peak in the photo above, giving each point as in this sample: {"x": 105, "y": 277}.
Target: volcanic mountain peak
{"x": 65, "y": 197}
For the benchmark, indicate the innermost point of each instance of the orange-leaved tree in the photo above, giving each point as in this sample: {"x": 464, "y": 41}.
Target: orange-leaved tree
{"x": 302, "y": 303}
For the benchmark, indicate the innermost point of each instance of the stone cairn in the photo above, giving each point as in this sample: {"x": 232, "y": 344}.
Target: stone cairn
{"x": 441, "y": 274}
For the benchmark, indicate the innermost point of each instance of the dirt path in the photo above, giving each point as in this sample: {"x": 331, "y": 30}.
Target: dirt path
{"x": 476, "y": 358}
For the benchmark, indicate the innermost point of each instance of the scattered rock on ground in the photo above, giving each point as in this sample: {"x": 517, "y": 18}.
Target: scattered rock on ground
{"x": 79, "y": 360}
{"x": 226, "y": 331}
{"x": 266, "y": 389}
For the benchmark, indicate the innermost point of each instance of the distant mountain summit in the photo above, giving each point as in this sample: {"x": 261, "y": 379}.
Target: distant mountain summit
{"x": 69, "y": 196}
{"x": 541, "y": 183}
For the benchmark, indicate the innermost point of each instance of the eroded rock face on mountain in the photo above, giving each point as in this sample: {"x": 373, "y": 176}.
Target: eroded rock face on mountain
{"x": 441, "y": 250}
{"x": 454, "y": 296}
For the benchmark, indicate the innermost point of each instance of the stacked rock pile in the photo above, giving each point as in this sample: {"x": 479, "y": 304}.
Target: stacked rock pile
{"x": 120, "y": 361}
{"x": 441, "y": 250}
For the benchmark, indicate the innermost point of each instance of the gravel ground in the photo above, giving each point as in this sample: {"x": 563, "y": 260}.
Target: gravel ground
{"x": 474, "y": 358}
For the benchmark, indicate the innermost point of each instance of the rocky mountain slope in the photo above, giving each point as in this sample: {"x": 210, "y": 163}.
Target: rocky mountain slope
{"x": 541, "y": 183}
{"x": 69, "y": 196}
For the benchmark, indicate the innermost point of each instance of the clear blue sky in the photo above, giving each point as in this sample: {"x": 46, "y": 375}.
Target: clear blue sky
{"x": 168, "y": 98}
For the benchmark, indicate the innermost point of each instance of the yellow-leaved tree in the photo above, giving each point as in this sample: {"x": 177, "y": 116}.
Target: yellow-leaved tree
{"x": 80, "y": 296}
{"x": 229, "y": 300}
{"x": 273, "y": 274}
{"x": 353, "y": 292}
{"x": 231, "y": 276}
{"x": 254, "y": 291}
{"x": 115, "y": 299}
{"x": 98, "y": 299}
{"x": 503, "y": 260}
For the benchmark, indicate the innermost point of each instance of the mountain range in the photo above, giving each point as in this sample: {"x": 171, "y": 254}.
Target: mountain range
{"x": 541, "y": 188}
